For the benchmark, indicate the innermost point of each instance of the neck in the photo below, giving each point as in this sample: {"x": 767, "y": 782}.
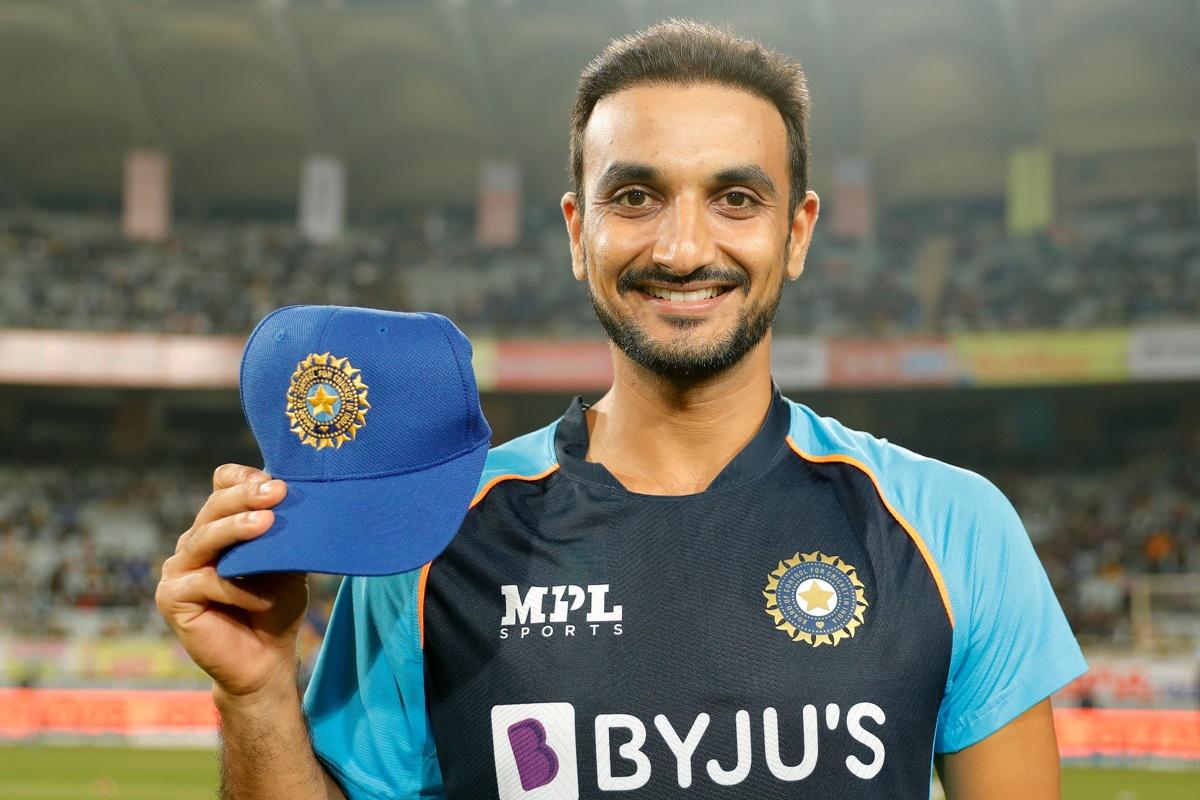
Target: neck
{"x": 673, "y": 437}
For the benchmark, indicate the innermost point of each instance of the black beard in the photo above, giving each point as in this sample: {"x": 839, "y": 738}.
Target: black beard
{"x": 679, "y": 363}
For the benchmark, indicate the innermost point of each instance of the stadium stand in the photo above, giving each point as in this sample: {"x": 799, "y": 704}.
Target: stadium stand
{"x": 80, "y": 550}
{"x": 1096, "y": 531}
{"x": 929, "y": 273}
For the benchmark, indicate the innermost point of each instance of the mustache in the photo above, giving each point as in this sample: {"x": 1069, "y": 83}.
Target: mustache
{"x": 637, "y": 276}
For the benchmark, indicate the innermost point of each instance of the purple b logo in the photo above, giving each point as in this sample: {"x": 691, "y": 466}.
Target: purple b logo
{"x": 536, "y": 762}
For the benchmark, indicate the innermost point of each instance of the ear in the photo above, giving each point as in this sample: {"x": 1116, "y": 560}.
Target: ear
{"x": 803, "y": 222}
{"x": 572, "y": 210}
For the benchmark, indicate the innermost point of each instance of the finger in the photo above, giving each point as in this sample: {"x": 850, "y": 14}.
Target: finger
{"x": 203, "y": 586}
{"x": 228, "y": 475}
{"x": 207, "y": 541}
{"x": 230, "y": 502}
{"x": 238, "y": 498}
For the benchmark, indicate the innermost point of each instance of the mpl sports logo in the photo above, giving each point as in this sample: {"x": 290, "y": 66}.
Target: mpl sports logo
{"x": 548, "y": 611}
{"x": 535, "y": 749}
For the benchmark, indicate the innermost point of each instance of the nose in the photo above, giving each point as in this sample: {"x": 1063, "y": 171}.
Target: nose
{"x": 684, "y": 242}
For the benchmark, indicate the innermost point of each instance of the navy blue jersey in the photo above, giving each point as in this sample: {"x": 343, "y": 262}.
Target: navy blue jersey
{"x": 830, "y": 612}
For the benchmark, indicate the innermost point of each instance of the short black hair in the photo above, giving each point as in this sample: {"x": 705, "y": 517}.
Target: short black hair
{"x": 687, "y": 52}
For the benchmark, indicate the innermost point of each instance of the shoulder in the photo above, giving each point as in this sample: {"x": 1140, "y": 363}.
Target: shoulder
{"x": 526, "y": 457}
{"x": 947, "y": 500}
{"x": 962, "y": 524}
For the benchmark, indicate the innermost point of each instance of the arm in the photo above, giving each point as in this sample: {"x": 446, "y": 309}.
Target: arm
{"x": 243, "y": 634}
{"x": 266, "y": 751}
{"x": 1019, "y": 760}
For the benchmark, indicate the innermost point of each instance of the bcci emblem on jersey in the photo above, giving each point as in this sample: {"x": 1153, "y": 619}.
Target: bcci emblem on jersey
{"x": 326, "y": 401}
{"x": 815, "y": 598}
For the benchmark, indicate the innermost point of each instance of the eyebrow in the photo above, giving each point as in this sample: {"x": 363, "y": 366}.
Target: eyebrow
{"x": 620, "y": 172}
{"x": 749, "y": 175}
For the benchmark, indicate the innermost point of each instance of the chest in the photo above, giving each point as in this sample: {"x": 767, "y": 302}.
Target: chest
{"x": 790, "y": 619}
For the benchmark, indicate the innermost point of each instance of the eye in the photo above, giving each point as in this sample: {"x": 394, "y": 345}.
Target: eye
{"x": 738, "y": 199}
{"x": 635, "y": 198}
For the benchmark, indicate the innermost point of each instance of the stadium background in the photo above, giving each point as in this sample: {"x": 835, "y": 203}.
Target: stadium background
{"x": 1006, "y": 276}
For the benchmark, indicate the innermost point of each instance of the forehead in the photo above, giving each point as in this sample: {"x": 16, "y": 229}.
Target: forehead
{"x": 686, "y": 130}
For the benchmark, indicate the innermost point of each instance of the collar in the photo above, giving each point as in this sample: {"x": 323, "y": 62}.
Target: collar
{"x": 571, "y": 445}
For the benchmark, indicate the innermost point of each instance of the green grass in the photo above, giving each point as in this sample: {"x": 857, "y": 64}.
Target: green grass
{"x": 118, "y": 773}
{"x": 112, "y": 773}
{"x": 1129, "y": 784}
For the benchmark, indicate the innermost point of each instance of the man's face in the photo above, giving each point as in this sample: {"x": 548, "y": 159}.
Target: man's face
{"x": 684, "y": 237}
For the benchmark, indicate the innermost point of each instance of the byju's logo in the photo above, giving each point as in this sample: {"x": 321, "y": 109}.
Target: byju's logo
{"x": 534, "y": 745}
{"x": 548, "y": 611}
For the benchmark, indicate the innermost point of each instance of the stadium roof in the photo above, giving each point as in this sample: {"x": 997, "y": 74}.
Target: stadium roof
{"x": 413, "y": 94}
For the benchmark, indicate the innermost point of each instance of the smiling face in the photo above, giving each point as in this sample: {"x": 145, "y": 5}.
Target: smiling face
{"x": 684, "y": 236}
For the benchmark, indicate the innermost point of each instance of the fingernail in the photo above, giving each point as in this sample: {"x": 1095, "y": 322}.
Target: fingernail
{"x": 252, "y": 517}
{"x": 266, "y": 488}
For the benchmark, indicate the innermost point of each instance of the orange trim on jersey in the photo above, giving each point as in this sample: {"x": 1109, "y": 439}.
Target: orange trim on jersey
{"x": 912, "y": 532}
{"x": 421, "y": 581}
{"x": 509, "y": 476}
{"x": 487, "y": 487}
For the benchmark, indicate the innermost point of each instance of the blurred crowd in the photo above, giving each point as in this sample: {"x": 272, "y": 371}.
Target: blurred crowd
{"x": 1096, "y": 532}
{"x": 929, "y": 272}
{"x": 80, "y": 549}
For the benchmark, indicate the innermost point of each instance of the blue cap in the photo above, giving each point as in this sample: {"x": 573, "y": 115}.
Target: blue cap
{"x": 372, "y": 419}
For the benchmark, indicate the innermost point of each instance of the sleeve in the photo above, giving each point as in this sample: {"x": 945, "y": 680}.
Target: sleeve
{"x": 366, "y": 700}
{"x": 1014, "y": 645}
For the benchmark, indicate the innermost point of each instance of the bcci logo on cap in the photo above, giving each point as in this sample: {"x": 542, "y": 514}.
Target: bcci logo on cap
{"x": 326, "y": 401}
{"x": 815, "y": 598}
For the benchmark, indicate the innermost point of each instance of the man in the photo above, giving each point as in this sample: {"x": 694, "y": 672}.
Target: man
{"x": 693, "y": 587}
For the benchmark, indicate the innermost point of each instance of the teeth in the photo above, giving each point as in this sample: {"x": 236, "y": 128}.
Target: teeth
{"x": 683, "y": 297}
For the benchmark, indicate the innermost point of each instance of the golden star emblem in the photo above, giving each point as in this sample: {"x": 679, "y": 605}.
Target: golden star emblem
{"x": 322, "y": 402}
{"x": 816, "y": 597}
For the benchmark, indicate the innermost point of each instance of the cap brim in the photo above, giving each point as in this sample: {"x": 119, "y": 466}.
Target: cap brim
{"x": 376, "y": 526}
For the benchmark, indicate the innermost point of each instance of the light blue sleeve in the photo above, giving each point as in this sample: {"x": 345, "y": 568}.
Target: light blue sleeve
{"x": 366, "y": 700}
{"x": 1015, "y": 647}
